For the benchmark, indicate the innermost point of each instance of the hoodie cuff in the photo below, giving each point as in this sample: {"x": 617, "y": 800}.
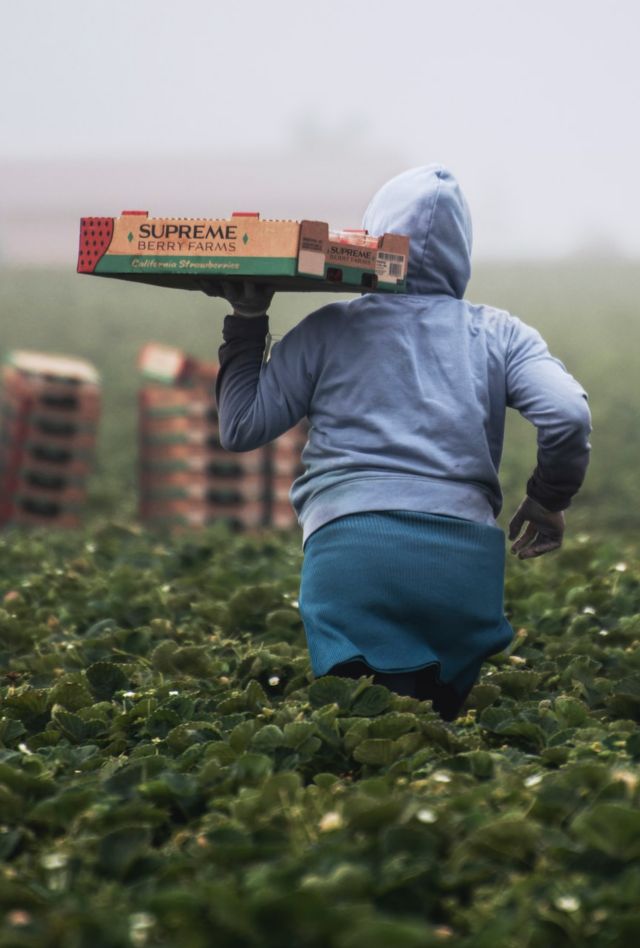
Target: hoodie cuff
{"x": 251, "y": 328}
{"x": 550, "y": 498}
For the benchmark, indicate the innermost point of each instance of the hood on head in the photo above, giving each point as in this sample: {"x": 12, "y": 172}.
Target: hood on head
{"x": 427, "y": 204}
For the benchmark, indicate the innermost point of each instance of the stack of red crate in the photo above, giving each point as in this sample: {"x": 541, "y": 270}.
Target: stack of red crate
{"x": 285, "y": 466}
{"x": 186, "y": 478}
{"x": 48, "y": 423}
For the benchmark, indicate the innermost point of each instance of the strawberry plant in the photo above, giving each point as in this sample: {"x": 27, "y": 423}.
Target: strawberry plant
{"x": 171, "y": 771}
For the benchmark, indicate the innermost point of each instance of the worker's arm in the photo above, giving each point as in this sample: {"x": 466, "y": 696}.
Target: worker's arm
{"x": 541, "y": 389}
{"x": 258, "y": 400}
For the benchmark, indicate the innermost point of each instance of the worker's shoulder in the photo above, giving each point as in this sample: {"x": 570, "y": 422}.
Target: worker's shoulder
{"x": 496, "y": 322}
{"x": 489, "y": 315}
{"x": 325, "y": 318}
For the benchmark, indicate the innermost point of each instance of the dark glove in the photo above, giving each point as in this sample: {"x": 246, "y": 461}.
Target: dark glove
{"x": 543, "y": 533}
{"x": 246, "y": 299}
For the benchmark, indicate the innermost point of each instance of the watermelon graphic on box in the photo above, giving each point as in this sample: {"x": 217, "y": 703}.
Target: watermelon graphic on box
{"x": 288, "y": 255}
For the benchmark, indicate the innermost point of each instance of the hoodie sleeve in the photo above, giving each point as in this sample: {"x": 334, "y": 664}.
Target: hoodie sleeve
{"x": 541, "y": 389}
{"x": 258, "y": 401}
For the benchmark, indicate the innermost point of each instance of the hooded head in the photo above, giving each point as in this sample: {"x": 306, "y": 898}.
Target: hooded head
{"x": 427, "y": 204}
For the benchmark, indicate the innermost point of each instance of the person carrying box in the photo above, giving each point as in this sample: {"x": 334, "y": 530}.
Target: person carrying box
{"x": 406, "y": 395}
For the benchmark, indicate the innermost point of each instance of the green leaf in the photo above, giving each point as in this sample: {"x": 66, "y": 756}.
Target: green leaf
{"x": 73, "y": 727}
{"x": 441, "y": 736}
{"x": 11, "y": 805}
{"x": 161, "y": 721}
{"x": 9, "y": 841}
{"x": 119, "y": 849}
{"x": 633, "y": 745}
{"x": 370, "y": 813}
{"x": 583, "y": 668}
{"x": 249, "y": 606}
{"x": 125, "y": 780}
{"x": 58, "y": 811}
{"x": 70, "y": 695}
{"x": 624, "y": 699}
{"x": 372, "y": 701}
{"x": 394, "y": 724}
{"x": 183, "y": 736}
{"x": 168, "y": 789}
{"x": 611, "y": 828}
{"x": 509, "y": 839}
{"x": 105, "y": 679}
{"x": 569, "y": 711}
{"x": 30, "y": 704}
{"x": 11, "y": 731}
{"x": 377, "y": 751}
{"x": 326, "y": 781}
{"x": 286, "y": 624}
{"x": 251, "y": 769}
{"x": 268, "y": 738}
{"x": 516, "y": 684}
{"x": 483, "y": 695}
{"x": 355, "y": 734}
{"x": 162, "y": 656}
{"x": 193, "y": 660}
{"x": 280, "y": 789}
{"x": 256, "y": 697}
{"x": 503, "y": 721}
{"x": 380, "y": 932}
{"x": 479, "y": 763}
{"x": 331, "y": 689}
{"x": 297, "y": 732}
{"x": 25, "y": 783}
{"x": 344, "y": 881}
{"x": 527, "y": 732}
{"x": 99, "y": 628}
{"x": 242, "y": 734}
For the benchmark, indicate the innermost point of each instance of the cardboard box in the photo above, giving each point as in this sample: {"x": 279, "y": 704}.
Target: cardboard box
{"x": 248, "y": 513}
{"x": 218, "y": 490}
{"x": 152, "y": 426}
{"x": 211, "y": 464}
{"x": 185, "y": 478}
{"x": 57, "y": 453}
{"x": 288, "y": 255}
{"x": 282, "y": 516}
{"x": 45, "y": 368}
{"x": 61, "y": 520}
{"x": 49, "y": 413}
{"x": 171, "y": 366}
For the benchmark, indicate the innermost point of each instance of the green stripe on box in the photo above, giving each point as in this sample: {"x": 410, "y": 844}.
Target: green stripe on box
{"x": 207, "y": 266}
{"x": 233, "y": 266}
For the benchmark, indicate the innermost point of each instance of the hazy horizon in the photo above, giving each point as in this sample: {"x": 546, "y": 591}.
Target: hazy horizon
{"x": 531, "y": 105}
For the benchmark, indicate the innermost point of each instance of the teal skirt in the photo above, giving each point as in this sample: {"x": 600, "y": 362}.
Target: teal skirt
{"x": 402, "y": 591}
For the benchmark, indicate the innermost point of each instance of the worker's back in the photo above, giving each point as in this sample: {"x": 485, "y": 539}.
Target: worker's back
{"x": 407, "y": 393}
{"x": 408, "y": 404}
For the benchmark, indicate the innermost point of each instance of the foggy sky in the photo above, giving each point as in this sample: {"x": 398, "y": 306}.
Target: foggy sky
{"x": 533, "y": 104}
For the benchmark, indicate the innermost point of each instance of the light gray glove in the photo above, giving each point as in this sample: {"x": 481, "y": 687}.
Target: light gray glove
{"x": 544, "y": 531}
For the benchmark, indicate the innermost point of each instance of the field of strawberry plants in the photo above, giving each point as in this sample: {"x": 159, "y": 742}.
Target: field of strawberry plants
{"x": 171, "y": 773}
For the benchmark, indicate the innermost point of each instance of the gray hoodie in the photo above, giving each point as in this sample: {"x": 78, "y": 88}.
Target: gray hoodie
{"x": 407, "y": 394}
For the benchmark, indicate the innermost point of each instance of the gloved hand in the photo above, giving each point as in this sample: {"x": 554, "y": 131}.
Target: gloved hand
{"x": 543, "y": 533}
{"x": 246, "y": 299}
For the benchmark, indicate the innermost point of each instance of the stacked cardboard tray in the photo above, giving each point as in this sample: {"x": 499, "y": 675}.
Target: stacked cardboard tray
{"x": 186, "y": 478}
{"x": 49, "y": 413}
{"x": 288, "y": 255}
